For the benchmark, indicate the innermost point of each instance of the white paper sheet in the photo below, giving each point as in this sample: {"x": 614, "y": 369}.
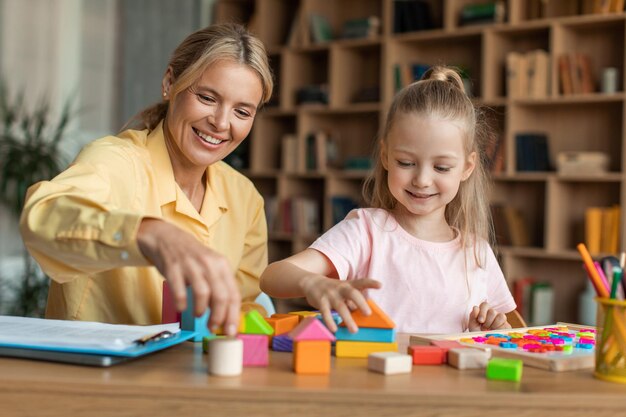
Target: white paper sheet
{"x": 43, "y": 332}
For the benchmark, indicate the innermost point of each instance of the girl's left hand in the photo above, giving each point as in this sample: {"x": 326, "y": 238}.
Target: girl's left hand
{"x": 485, "y": 318}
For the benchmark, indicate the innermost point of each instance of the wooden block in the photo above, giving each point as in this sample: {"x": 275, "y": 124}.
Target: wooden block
{"x": 389, "y": 363}
{"x": 282, "y": 325}
{"x": 256, "y": 324}
{"x": 255, "y": 349}
{"x": 377, "y": 319}
{"x": 168, "y": 307}
{"x": 302, "y": 314}
{"x": 347, "y": 349}
{"x": 504, "y": 369}
{"x": 426, "y": 355}
{"x": 311, "y": 357}
{"x": 225, "y": 356}
{"x": 468, "y": 358}
{"x": 198, "y": 325}
{"x": 446, "y": 345}
{"x": 282, "y": 343}
{"x": 310, "y": 328}
{"x": 367, "y": 334}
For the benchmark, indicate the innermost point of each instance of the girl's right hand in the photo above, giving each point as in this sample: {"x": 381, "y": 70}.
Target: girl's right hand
{"x": 328, "y": 294}
{"x": 183, "y": 261}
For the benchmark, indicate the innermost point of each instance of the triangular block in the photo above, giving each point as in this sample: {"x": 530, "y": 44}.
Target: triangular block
{"x": 377, "y": 319}
{"x": 311, "y": 328}
{"x": 256, "y": 324}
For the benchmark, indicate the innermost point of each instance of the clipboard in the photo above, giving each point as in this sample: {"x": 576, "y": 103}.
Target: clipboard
{"x": 90, "y": 356}
{"x": 84, "y": 343}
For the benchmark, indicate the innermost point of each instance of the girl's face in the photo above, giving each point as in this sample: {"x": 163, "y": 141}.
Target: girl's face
{"x": 426, "y": 162}
{"x": 210, "y": 119}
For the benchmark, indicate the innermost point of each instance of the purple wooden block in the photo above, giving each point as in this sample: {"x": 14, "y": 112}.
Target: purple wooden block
{"x": 282, "y": 343}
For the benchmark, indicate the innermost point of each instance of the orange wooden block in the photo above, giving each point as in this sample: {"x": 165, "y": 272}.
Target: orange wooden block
{"x": 377, "y": 319}
{"x": 311, "y": 357}
{"x": 282, "y": 325}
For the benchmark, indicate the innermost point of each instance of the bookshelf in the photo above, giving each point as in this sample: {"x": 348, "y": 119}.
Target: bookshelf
{"x": 360, "y": 76}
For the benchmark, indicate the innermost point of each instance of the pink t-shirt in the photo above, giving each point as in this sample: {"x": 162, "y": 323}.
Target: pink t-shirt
{"x": 425, "y": 288}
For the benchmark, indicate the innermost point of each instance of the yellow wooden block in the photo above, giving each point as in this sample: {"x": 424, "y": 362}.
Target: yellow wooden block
{"x": 303, "y": 314}
{"x": 346, "y": 349}
{"x": 242, "y": 325}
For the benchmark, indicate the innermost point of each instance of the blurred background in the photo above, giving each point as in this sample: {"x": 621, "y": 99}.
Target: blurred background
{"x": 104, "y": 57}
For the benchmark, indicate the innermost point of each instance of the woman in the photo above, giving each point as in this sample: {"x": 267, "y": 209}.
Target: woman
{"x": 159, "y": 202}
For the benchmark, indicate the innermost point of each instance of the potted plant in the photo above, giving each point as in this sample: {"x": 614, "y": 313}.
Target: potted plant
{"x": 29, "y": 152}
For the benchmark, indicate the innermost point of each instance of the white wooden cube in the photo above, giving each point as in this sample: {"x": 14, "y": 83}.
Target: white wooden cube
{"x": 389, "y": 363}
{"x": 468, "y": 358}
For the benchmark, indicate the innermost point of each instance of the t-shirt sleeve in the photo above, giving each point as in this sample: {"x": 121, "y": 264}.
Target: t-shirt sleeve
{"x": 347, "y": 244}
{"x": 498, "y": 293}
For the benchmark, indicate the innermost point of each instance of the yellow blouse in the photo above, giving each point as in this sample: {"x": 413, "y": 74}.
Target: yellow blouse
{"x": 81, "y": 227}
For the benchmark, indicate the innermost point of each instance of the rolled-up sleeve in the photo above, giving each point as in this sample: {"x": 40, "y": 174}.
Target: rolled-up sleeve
{"x": 82, "y": 221}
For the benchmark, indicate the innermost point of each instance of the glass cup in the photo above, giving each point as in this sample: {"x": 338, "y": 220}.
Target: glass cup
{"x": 611, "y": 340}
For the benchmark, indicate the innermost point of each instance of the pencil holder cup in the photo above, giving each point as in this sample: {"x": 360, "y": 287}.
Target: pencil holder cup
{"x": 611, "y": 340}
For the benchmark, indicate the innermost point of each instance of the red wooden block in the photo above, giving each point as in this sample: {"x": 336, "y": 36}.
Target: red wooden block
{"x": 426, "y": 355}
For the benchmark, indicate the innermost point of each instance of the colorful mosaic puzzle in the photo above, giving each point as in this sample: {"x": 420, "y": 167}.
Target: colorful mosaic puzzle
{"x": 545, "y": 340}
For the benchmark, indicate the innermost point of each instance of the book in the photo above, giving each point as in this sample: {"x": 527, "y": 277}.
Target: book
{"x": 516, "y": 75}
{"x": 593, "y": 229}
{"x": 412, "y": 15}
{"x": 289, "y": 153}
{"x": 565, "y": 75}
{"x": 521, "y": 295}
{"x": 538, "y": 74}
{"x": 541, "y": 304}
{"x": 320, "y": 28}
{"x": 83, "y": 342}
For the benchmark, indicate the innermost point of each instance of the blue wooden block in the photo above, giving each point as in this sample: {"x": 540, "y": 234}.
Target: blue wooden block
{"x": 198, "y": 325}
{"x": 367, "y": 334}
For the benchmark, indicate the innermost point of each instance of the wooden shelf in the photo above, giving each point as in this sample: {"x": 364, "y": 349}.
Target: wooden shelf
{"x": 552, "y": 205}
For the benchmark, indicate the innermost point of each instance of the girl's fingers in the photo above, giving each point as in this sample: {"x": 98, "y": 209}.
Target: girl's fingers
{"x": 342, "y": 309}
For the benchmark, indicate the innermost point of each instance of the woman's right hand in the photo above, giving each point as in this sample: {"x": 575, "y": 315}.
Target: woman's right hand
{"x": 328, "y": 294}
{"x": 183, "y": 261}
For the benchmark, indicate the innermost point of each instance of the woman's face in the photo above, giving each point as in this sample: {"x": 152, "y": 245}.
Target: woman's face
{"x": 210, "y": 119}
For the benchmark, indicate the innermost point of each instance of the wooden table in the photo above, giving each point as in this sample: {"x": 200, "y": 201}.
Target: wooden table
{"x": 175, "y": 383}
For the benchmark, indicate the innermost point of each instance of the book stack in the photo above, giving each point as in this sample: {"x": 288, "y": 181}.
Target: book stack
{"x": 576, "y": 74}
{"x": 528, "y": 74}
{"x": 602, "y": 228}
{"x": 367, "y": 27}
{"x": 481, "y": 13}
{"x": 412, "y": 15}
{"x": 534, "y": 300}
{"x": 532, "y": 152}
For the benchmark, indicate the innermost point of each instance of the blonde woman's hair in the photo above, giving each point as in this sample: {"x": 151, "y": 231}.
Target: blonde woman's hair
{"x": 441, "y": 94}
{"x": 198, "y": 52}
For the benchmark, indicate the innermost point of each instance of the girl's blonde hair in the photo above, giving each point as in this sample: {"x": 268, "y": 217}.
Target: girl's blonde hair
{"x": 440, "y": 93}
{"x": 198, "y": 52}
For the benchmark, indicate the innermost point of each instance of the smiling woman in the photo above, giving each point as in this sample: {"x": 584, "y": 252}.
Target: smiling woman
{"x": 156, "y": 201}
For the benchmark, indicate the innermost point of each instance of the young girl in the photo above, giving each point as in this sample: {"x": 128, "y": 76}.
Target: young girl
{"x": 423, "y": 246}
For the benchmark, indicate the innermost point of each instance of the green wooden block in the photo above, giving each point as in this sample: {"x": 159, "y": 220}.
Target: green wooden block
{"x": 256, "y": 324}
{"x": 505, "y": 369}
{"x": 205, "y": 342}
